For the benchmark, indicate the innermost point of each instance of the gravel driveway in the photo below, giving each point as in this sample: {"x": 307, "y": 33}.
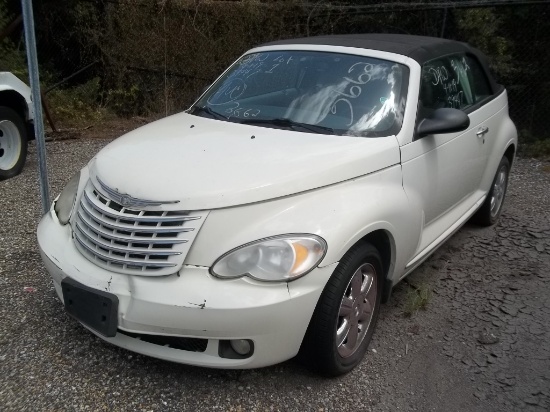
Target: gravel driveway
{"x": 482, "y": 344}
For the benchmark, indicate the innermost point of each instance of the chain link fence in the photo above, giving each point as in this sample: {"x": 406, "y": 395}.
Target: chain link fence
{"x": 146, "y": 58}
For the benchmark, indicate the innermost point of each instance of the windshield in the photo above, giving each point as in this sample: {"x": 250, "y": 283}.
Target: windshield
{"x": 335, "y": 93}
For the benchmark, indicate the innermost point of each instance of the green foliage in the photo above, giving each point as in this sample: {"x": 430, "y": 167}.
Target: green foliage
{"x": 538, "y": 148}
{"x": 12, "y": 55}
{"x": 533, "y": 146}
{"x": 124, "y": 101}
{"x": 482, "y": 29}
{"x": 417, "y": 298}
{"x": 75, "y": 106}
{"x": 14, "y": 61}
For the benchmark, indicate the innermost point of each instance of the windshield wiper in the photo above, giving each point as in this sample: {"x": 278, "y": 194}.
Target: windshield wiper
{"x": 291, "y": 124}
{"x": 208, "y": 110}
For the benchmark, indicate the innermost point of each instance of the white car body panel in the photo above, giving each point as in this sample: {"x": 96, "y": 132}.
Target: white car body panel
{"x": 341, "y": 188}
{"x": 376, "y": 202}
{"x": 10, "y": 82}
{"x": 442, "y": 173}
{"x": 192, "y": 304}
{"x": 502, "y": 134}
{"x": 199, "y": 175}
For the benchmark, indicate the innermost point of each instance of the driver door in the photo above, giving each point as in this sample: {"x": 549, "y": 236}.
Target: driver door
{"x": 442, "y": 172}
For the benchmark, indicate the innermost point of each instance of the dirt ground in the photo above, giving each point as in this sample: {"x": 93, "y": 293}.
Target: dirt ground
{"x": 481, "y": 344}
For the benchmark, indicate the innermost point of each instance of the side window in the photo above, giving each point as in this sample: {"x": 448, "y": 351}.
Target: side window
{"x": 447, "y": 82}
{"x": 480, "y": 84}
{"x": 456, "y": 81}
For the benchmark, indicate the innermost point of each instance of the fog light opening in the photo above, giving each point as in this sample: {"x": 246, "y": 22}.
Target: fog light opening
{"x": 241, "y": 346}
{"x": 236, "y": 349}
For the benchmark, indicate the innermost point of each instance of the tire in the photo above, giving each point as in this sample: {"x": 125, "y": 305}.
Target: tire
{"x": 13, "y": 143}
{"x": 357, "y": 280}
{"x": 490, "y": 211}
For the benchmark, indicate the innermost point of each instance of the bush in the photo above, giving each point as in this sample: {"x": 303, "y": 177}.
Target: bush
{"x": 74, "y": 106}
{"x": 538, "y": 149}
{"x": 533, "y": 146}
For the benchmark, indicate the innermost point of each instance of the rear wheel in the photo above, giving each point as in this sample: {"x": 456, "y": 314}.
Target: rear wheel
{"x": 13, "y": 143}
{"x": 345, "y": 317}
{"x": 490, "y": 211}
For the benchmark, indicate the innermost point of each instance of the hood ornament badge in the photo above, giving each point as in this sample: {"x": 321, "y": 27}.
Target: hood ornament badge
{"x": 129, "y": 201}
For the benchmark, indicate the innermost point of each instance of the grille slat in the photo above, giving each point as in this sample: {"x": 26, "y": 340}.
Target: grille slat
{"x": 158, "y": 217}
{"x": 141, "y": 251}
{"x": 129, "y": 239}
{"x": 113, "y": 224}
{"x": 126, "y": 261}
{"x": 147, "y": 241}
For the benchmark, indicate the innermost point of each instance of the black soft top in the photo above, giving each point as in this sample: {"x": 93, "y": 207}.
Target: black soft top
{"x": 419, "y": 48}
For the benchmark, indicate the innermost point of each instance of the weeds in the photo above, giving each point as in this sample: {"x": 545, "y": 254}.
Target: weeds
{"x": 417, "y": 297}
{"x": 531, "y": 145}
{"x": 537, "y": 149}
{"x": 77, "y": 105}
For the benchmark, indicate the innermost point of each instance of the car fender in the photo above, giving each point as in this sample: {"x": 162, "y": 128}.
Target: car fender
{"x": 342, "y": 214}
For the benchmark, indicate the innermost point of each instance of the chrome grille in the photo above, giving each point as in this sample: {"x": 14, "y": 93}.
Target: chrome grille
{"x": 127, "y": 240}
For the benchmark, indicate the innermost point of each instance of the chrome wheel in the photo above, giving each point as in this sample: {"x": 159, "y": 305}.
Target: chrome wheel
{"x": 356, "y": 310}
{"x": 499, "y": 189}
{"x": 10, "y": 145}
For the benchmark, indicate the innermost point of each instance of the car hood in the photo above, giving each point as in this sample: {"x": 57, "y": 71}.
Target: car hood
{"x": 206, "y": 164}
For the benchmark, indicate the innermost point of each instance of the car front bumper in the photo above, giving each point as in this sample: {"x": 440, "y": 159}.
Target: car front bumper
{"x": 192, "y": 304}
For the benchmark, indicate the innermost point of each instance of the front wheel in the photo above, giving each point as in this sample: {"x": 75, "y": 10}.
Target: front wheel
{"x": 490, "y": 211}
{"x": 345, "y": 317}
{"x": 13, "y": 143}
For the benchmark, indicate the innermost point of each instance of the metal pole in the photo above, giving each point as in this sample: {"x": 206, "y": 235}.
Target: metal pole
{"x": 30, "y": 41}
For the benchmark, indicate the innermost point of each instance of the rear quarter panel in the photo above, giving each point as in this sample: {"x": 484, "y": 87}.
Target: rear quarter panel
{"x": 502, "y": 134}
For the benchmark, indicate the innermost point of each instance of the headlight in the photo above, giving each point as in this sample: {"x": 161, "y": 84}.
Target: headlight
{"x": 65, "y": 202}
{"x": 275, "y": 259}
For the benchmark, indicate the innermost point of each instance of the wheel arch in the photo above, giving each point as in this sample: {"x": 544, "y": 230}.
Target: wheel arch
{"x": 16, "y": 102}
{"x": 383, "y": 240}
{"x": 510, "y": 153}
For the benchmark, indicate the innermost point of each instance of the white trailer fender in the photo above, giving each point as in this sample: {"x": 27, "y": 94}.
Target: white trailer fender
{"x": 9, "y": 81}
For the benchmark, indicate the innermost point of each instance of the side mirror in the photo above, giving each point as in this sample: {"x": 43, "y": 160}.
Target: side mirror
{"x": 444, "y": 120}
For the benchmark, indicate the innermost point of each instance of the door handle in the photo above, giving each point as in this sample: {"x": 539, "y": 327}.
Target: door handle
{"x": 482, "y": 131}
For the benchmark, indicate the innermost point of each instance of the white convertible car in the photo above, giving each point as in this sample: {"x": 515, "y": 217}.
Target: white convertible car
{"x": 275, "y": 215}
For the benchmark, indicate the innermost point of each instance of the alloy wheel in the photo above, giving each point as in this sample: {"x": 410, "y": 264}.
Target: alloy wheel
{"x": 499, "y": 188}
{"x": 356, "y": 310}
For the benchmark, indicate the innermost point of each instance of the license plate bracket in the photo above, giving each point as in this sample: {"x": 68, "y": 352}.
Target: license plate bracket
{"x": 94, "y": 308}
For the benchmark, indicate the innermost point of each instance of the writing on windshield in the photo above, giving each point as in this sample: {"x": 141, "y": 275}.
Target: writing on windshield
{"x": 349, "y": 94}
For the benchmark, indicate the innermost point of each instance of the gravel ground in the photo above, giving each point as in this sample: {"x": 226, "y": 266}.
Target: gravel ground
{"x": 482, "y": 344}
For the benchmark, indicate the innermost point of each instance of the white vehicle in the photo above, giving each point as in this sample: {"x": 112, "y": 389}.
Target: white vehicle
{"x": 16, "y": 124}
{"x": 275, "y": 216}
